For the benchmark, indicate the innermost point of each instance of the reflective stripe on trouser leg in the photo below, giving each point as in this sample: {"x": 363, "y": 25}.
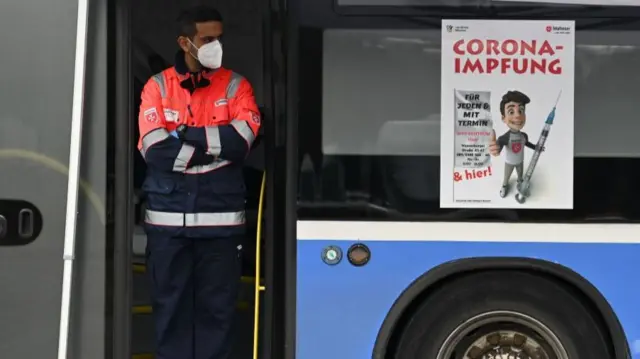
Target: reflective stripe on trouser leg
{"x": 174, "y": 219}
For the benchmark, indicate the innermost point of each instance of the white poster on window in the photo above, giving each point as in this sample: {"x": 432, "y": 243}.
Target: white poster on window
{"x": 507, "y": 97}
{"x": 582, "y": 2}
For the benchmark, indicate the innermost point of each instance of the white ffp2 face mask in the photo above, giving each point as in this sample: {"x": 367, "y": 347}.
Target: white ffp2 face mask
{"x": 210, "y": 55}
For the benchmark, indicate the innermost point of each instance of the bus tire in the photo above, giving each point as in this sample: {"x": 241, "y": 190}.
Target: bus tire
{"x": 471, "y": 310}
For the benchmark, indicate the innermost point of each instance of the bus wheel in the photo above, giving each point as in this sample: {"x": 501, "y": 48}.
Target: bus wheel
{"x": 502, "y": 314}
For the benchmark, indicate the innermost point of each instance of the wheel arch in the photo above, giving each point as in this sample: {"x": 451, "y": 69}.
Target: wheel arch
{"x": 439, "y": 275}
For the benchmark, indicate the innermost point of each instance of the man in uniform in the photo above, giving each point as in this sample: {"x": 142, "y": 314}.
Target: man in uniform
{"x": 197, "y": 123}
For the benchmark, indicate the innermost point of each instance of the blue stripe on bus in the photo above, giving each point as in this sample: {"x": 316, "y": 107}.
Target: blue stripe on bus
{"x": 341, "y": 308}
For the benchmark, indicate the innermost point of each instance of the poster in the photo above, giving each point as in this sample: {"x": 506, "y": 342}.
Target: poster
{"x": 583, "y": 2}
{"x": 507, "y": 96}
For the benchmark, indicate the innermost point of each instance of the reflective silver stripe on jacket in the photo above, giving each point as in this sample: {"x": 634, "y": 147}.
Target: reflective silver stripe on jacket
{"x": 234, "y": 84}
{"x": 174, "y": 219}
{"x": 152, "y": 138}
{"x": 183, "y": 158}
{"x": 243, "y": 129}
{"x": 214, "y": 146}
{"x": 207, "y": 168}
{"x": 159, "y": 79}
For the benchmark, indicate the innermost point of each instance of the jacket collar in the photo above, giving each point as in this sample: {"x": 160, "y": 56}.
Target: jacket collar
{"x": 191, "y": 80}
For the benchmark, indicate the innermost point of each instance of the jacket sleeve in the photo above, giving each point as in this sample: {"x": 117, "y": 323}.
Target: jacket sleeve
{"x": 159, "y": 149}
{"x": 231, "y": 142}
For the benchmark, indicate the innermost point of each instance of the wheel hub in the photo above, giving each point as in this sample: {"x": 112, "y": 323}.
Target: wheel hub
{"x": 506, "y": 345}
{"x": 502, "y": 335}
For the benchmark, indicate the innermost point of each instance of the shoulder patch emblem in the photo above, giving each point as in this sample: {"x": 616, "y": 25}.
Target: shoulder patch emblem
{"x": 151, "y": 115}
{"x": 255, "y": 118}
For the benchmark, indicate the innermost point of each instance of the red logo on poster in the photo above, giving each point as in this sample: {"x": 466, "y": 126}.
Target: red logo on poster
{"x": 549, "y": 28}
{"x": 516, "y": 147}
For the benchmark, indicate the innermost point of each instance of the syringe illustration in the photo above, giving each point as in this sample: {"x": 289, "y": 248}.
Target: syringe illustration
{"x": 523, "y": 188}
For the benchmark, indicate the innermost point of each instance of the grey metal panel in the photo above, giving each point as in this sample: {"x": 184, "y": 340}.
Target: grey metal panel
{"x": 36, "y": 80}
{"x": 87, "y": 329}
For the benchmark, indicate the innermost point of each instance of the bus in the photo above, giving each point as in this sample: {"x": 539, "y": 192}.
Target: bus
{"x": 381, "y": 271}
{"x": 359, "y": 260}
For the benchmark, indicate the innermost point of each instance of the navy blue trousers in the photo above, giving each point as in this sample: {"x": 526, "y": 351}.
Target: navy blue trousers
{"x": 194, "y": 287}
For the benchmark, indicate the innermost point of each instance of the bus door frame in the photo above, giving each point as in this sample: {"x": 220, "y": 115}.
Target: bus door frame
{"x": 272, "y": 339}
{"x": 278, "y": 151}
{"x": 290, "y": 248}
{"x": 120, "y": 227}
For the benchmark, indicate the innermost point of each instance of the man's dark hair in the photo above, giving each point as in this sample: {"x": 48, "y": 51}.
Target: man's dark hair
{"x": 190, "y": 17}
{"x": 513, "y": 96}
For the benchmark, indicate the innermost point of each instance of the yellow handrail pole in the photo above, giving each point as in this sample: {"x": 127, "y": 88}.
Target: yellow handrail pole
{"x": 258, "y": 286}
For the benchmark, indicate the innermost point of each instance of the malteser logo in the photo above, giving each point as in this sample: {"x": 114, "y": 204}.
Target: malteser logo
{"x": 559, "y": 29}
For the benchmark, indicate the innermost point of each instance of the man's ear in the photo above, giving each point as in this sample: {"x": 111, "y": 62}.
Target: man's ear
{"x": 503, "y": 118}
{"x": 183, "y": 43}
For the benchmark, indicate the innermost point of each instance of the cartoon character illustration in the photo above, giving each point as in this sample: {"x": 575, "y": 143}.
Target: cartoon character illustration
{"x": 513, "y": 111}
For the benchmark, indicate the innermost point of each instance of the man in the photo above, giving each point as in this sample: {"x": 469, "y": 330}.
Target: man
{"x": 197, "y": 123}
{"x": 512, "y": 110}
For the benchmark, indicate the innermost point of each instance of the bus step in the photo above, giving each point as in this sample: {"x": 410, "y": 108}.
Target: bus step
{"x": 141, "y": 268}
{"x": 146, "y": 309}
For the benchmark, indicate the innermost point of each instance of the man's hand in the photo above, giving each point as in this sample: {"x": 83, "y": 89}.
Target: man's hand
{"x": 494, "y": 149}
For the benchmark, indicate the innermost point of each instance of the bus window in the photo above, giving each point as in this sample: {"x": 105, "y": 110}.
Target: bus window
{"x": 467, "y": 4}
{"x": 370, "y": 122}
{"x": 425, "y": 3}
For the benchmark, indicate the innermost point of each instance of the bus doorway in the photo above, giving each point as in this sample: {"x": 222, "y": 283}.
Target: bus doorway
{"x": 152, "y": 48}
